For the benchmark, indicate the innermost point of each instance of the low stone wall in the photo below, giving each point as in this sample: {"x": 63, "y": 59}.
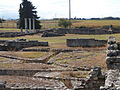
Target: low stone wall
{"x": 93, "y": 82}
{"x": 83, "y": 31}
{"x": 50, "y": 50}
{"x": 19, "y": 44}
{"x": 29, "y": 73}
{"x": 92, "y": 31}
{"x": 51, "y": 34}
{"x": 18, "y": 72}
{"x": 14, "y": 34}
{"x": 85, "y": 43}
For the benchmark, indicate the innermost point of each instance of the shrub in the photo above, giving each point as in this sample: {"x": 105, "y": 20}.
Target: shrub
{"x": 64, "y": 23}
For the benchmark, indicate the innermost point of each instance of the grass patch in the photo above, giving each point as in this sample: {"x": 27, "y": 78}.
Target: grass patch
{"x": 10, "y": 29}
{"x": 3, "y": 59}
{"x": 78, "y": 23}
{"x": 74, "y": 56}
{"x": 27, "y": 54}
{"x": 5, "y": 65}
{"x": 96, "y": 23}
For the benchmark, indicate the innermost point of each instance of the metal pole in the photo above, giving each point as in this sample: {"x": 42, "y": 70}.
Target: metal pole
{"x": 69, "y": 9}
{"x": 69, "y": 12}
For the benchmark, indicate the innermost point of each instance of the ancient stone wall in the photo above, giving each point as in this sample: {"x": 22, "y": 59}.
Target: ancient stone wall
{"x": 92, "y": 31}
{"x": 83, "y": 31}
{"x": 85, "y": 43}
{"x": 19, "y": 44}
{"x": 112, "y": 81}
{"x": 15, "y": 34}
{"x": 52, "y": 34}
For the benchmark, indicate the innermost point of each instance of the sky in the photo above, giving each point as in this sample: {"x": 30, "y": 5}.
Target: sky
{"x": 48, "y": 9}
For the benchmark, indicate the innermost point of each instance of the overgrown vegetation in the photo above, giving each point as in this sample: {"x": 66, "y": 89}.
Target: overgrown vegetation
{"x": 64, "y": 23}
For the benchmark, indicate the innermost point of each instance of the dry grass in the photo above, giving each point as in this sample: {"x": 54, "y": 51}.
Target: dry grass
{"x": 96, "y": 23}
{"x": 26, "y": 54}
{"x": 47, "y": 24}
{"x": 24, "y": 66}
{"x": 76, "y": 74}
{"x": 89, "y": 59}
{"x": 78, "y": 23}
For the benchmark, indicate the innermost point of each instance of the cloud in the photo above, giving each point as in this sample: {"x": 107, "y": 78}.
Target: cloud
{"x": 59, "y": 8}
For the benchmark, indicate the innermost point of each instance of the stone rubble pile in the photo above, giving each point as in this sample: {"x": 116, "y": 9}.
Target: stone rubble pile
{"x": 112, "y": 81}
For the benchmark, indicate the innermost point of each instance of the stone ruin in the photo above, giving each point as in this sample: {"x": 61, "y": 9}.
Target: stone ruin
{"x": 112, "y": 81}
{"x": 85, "y": 43}
{"x": 96, "y": 80}
{"x": 18, "y": 44}
{"x": 84, "y": 31}
{"x": 51, "y": 34}
{"x": 15, "y": 34}
{"x": 92, "y": 82}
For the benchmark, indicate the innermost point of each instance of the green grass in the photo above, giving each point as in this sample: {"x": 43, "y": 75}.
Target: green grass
{"x": 9, "y": 29}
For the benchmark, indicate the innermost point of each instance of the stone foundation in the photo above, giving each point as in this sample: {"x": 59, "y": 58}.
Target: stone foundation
{"x": 52, "y": 34}
{"x": 19, "y": 44}
{"x": 85, "y": 43}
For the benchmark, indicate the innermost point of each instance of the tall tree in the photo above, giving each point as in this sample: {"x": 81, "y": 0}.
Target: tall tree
{"x": 27, "y": 10}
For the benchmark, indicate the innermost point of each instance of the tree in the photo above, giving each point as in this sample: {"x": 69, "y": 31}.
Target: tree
{"x": 0, "y": 20}
{"x": 27, "y": 10}
{"x": 64, "y": 23}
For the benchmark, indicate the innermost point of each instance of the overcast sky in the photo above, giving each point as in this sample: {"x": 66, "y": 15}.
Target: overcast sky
{"x": 59, "y": 8}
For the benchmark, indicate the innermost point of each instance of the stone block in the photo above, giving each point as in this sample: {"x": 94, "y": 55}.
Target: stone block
{"x": 113, "y": 47}
{"x": 112, "y": 53}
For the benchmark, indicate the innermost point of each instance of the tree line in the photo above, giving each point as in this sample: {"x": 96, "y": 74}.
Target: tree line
{"x": 105, "y": 18}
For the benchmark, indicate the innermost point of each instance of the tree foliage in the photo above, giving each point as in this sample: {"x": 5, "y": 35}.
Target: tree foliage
{"x": 64, "y": 23}
{"x": 1, "y": 20}
{"x": 27, "y": 10}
